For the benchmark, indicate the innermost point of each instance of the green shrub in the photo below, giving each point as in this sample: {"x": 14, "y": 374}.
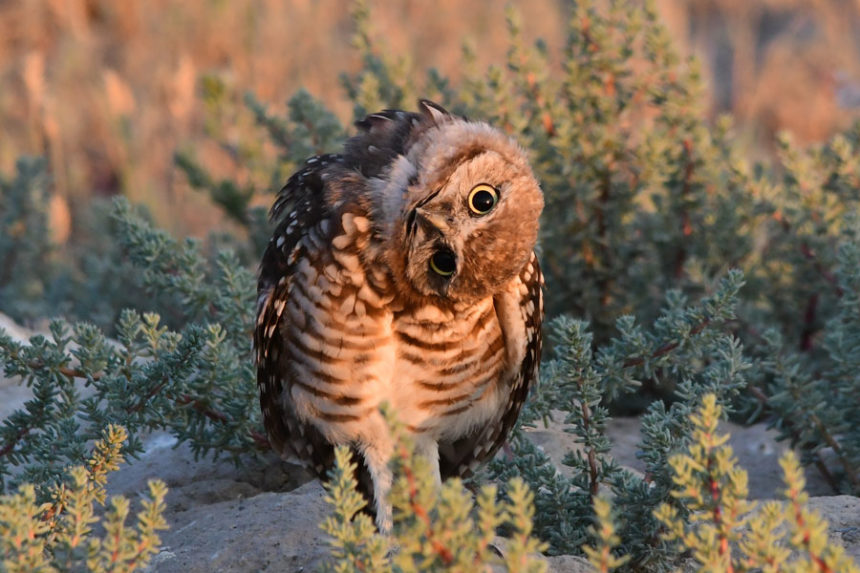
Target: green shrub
{"x": 86, "y": 279}
{"x": 197, "y": 382}
{"x": 713, "y": 492}
{"x": 59, "y": 534}
{"x": 433, "y": 529}
{"x": 25, "y": 245}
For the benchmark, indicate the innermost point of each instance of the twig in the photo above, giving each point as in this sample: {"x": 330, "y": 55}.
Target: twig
{"x": 665, "y": 349}
{"x": 716, "y": 495}
{"x": 260, "y": 440}
{"x": 795, "y": 436}
{"x": 828, "y": 275}
{"x": 604, "y": 282}
{"x": 203, "y": 408}
{"x": 75, "y": 373}
{"x": 140, "y": 405}
{"x": 419, "y": 510}
{"x": 686, "y": 226}
{"x": 820, "y": 564}
{"x": 22, "y": 432}
{"x": 809, "y": 323}
{"x": 593, "y": 483}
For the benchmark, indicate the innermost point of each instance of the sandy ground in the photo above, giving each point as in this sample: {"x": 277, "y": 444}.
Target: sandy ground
{"x": 264, "y": 515}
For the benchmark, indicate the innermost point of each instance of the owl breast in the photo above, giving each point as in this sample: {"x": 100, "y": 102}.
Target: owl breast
{"x": 352, "y": 345}
{"x": 451, "y": 362}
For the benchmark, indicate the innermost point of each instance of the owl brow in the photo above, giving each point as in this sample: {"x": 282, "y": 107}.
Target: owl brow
{"x": 429, "y": 197}
{"x": 466, "y": 156}
{"x": 410, "y": 220}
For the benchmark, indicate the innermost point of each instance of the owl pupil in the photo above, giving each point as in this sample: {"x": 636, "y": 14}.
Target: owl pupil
{"x": 483, "y": 201}
{"x": 443, "y": 263}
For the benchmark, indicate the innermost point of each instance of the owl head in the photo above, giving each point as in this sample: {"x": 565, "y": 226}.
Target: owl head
{"x": 468, "y": 209}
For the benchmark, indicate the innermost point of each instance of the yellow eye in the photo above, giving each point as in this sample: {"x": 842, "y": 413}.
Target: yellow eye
{"x": 483, "y": 198}
{"x": 443, "y": 263}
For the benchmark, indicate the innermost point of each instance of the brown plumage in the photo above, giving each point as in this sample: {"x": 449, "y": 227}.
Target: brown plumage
{"x": 401, "y": 271}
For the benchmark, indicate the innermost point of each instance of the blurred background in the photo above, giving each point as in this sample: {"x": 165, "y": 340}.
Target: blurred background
{"x": 108, "y": 91}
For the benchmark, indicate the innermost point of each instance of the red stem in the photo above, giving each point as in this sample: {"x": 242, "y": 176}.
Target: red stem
{"x": 686, "y": 225}
{"x": 421, "y": 512}
{"x": 665, "y": 349}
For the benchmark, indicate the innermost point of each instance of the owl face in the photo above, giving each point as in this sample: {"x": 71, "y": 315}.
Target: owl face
{"x": 471, "y": 217}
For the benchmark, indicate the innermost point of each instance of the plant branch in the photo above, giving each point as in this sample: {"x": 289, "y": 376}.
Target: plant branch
{"x": 593, "y": 483}
{"x": 795, "y": 436}
{"x": 665, "y": 349}
{"x": 19, "y": 435}
{"x": 686, "y": 225}
{"x": 420, "y": 511}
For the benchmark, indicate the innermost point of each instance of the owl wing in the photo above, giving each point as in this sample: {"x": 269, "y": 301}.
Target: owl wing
{"x": 460, "y": 457}
{"x": 300, "y": 205}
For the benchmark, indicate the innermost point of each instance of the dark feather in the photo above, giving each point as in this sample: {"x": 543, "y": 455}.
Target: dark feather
{"x": 301, "y": 195}
{"x": 381, "y": 138}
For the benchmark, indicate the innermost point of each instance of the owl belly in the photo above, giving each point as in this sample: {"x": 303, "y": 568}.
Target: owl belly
{"x": 340, "y": 354}
{"x": 447, "y": 370}
{"x": 439, "y": 371}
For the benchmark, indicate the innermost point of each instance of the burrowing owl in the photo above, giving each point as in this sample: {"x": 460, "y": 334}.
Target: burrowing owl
{"x": 402, "y": 271}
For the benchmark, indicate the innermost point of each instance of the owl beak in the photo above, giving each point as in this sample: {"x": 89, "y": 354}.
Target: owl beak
{"x": 438, "y": 221}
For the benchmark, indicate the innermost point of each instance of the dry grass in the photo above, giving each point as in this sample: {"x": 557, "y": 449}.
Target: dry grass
{"x": 109, "y": 89}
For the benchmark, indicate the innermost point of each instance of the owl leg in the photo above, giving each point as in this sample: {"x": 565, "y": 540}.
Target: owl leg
{"x": 429, "y": 448}
{"x": 376, "y": 457}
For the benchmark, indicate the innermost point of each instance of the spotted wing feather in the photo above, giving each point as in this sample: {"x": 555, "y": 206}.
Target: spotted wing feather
{"x": 299, "y": 206}
{"x": 381, "y": 138}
